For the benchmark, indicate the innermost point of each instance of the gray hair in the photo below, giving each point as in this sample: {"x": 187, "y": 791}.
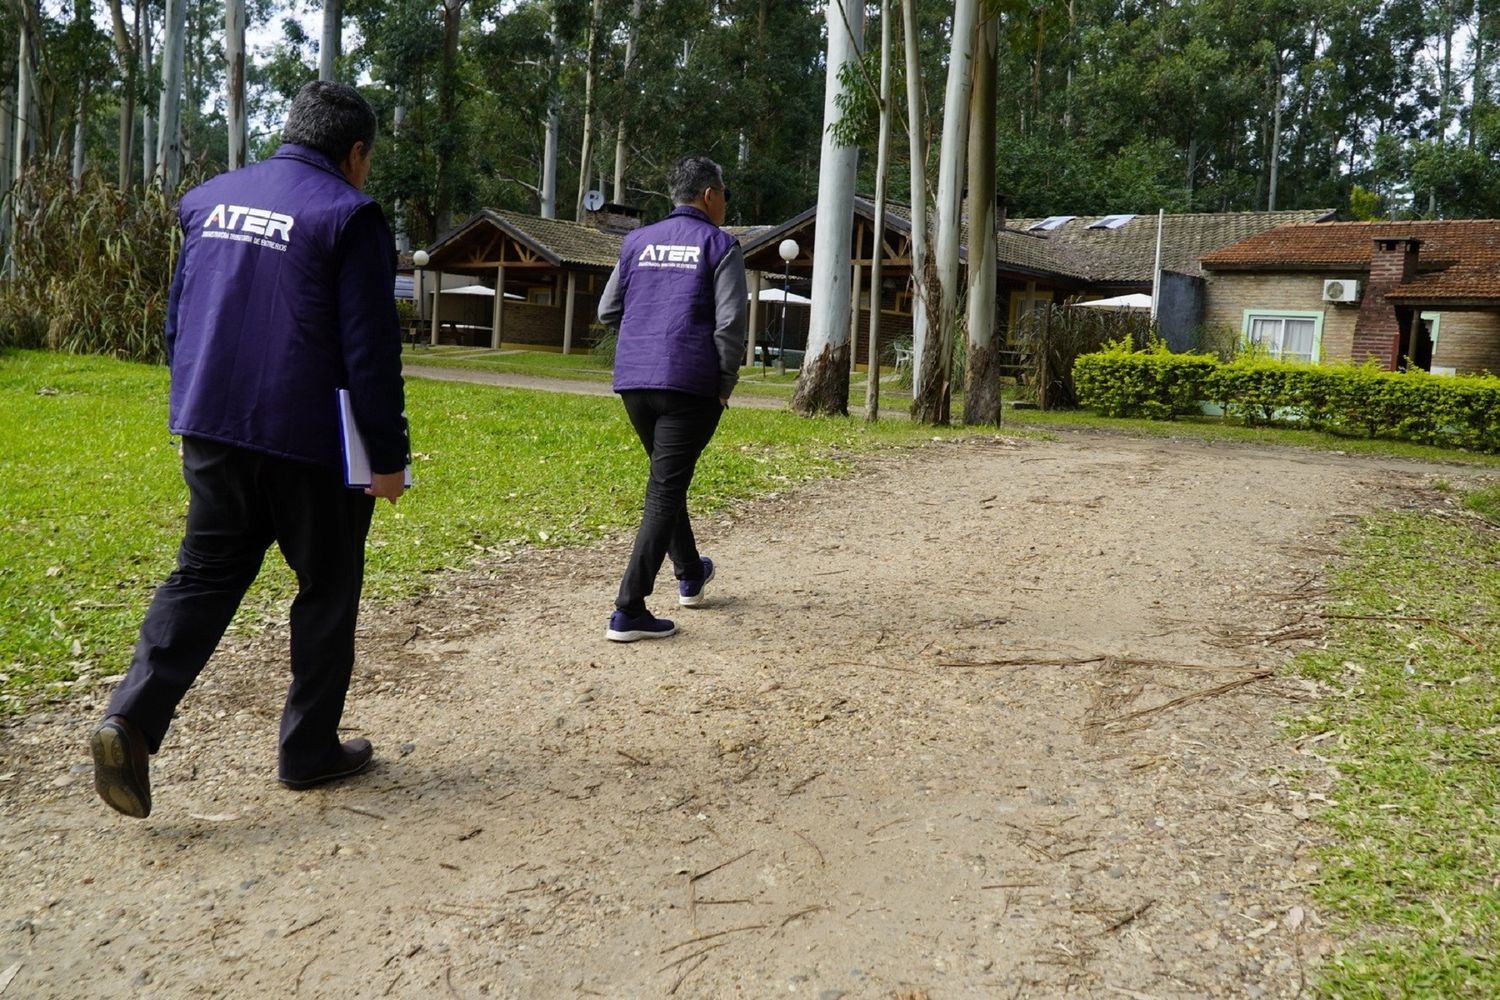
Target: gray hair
{"x": 331, "y": 118}
{"x": 690, "y": 175}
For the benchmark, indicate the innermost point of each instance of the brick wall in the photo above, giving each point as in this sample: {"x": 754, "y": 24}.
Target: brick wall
{"x": 1468, "y": 342}
{"x": 1377, "y": 334}
{"x": 523, "y": 324}
{"x": 1229, "y": 293}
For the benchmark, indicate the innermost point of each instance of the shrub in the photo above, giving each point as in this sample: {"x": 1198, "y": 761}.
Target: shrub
{"x": 1121, "y": 382}
{"x": 605, "y": 340}
{"x": 93, "y": 266}
{"x": 1461, "y": 411}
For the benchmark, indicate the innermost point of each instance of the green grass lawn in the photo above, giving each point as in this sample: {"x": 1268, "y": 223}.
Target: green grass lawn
{"x": 754, "y": 379}
{"x": 93, "y": 499}
{"x": 1413, "y": 873}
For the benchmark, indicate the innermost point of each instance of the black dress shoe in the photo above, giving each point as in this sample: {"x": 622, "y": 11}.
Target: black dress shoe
{"x": 350, "y": 759}
{"x": 122, "y": 767}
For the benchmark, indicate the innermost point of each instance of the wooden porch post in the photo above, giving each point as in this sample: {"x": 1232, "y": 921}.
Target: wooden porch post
{"x": 854, "y": 321}
{"x": 495, "y": 318}
{"x": 753, "y": 330}
{"x": 568, "y": 313}
{"x": 437, "y": 290}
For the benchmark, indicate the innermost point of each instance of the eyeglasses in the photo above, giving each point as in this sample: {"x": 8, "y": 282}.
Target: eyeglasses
{"x": 723, "y": 193}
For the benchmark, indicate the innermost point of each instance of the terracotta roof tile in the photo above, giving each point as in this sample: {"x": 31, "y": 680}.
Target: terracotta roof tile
{"x": 1459, "y": 259}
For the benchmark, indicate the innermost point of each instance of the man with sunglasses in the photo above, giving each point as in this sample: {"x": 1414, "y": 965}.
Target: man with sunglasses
{"x": 678, "y": 297}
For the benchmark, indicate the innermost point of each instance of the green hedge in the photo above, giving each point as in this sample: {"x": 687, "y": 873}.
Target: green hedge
{"x": 1461, "y": 411}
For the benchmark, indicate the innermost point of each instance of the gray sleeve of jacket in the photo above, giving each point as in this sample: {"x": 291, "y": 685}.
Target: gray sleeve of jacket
{"x": 730, "y": 295}
{"x": 611, "y": 302}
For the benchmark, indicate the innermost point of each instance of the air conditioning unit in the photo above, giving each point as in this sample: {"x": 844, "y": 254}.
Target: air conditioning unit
{"x": 1340, "y": 290}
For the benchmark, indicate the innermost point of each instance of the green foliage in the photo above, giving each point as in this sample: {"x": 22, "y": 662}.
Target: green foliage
{"x": 1052, "y": 339}
{"x": 1124, "y": 383}
{"x": 1409, "y": 872}
{"x": 1462, "y": 412}
{"x": 1485, "y": 503}
{"x": 606, "y": 339}
{"x": 92, "y": 266}
{"x": 1365, "y": 205}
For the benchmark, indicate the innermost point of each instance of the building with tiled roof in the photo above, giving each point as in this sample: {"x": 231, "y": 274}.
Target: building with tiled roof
{"x": 1423, "y": 292}
{"x": 552, "y": 272}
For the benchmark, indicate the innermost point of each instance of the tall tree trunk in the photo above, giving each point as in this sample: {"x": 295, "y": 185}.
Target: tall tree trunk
{"x": 398, "y": 214}
{"x": 1480, "y": 75}
{"x": 586, "y": 155}
{"x": 823, "y": 385}
{"x": 877, "y": 260}
{"x": 125, "y": 51}
{"x": 7, "y": 162}
{"x": 934, "y": 396}
{"x": 148, "y": 121}
{"x": 1275, "y": 154}
{"x": 620, "y": 133}
{"x": 1445, "y": 91}
{"x": 554, "y": 118}
{"x": 982, "y": 391}
{"x": 447, "y": 143}
{"x": 25, "y": 81}
{"x": 916, "y": 137}
{"x": 25, "y": 86}
{"x": 333, "y": 38}
{"x": 79, "y": 135}
{"x": 169, "y": 138}
{"x": 234, "y": 80}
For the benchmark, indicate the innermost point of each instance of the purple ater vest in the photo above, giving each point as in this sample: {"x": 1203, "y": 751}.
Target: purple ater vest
{"x": 254, "y": 345}
{"x": 666, "y": 282}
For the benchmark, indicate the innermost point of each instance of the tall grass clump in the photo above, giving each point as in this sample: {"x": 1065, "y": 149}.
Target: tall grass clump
{"x": 93, "y": 266}
{"x": 1052, "y": 339}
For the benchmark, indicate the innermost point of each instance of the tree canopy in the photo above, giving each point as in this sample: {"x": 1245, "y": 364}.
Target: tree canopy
{"x": 1380, "y": 108}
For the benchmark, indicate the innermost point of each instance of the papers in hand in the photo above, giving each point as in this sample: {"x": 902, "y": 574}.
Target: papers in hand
{"x": 356, "y": 457}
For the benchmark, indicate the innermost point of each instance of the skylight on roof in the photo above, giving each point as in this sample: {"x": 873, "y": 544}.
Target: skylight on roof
{"x": 1051, "y": 222}
{"x": 1111, "y": 222}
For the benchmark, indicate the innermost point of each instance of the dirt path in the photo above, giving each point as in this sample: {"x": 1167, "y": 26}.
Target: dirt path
{"x": 804, "y": 794}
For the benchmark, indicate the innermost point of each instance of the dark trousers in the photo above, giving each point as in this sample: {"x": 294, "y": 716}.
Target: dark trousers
{"x": 674, "y": 427}
{"x": 239, "y": 502}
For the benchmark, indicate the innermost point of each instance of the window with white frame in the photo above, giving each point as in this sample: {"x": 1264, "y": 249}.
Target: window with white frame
{"x": 1288, "y": 336}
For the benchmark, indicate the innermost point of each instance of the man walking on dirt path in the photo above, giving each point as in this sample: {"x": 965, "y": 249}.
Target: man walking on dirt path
{"x": 678, "y": 297}
{"x": 282, "y": 297}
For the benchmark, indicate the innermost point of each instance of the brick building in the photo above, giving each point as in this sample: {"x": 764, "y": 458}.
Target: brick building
{"x": 1425, "y": 294}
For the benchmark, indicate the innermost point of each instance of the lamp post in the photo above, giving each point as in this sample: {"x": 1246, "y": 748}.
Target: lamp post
{"x": 419, "y": 260}
{"x": 788, "y": 250}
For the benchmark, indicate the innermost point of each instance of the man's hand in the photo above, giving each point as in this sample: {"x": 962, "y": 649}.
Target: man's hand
{"x": 389, "y": 485}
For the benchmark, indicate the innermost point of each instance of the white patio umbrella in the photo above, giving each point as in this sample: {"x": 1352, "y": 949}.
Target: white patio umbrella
{"x": 792, "y": 298}
{"x": 1134, "y": 301}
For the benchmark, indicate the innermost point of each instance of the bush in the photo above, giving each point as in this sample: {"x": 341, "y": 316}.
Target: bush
{"x": 93, "y": 266}
{"x": 605, "y": 340}
{"x": 1121, "y": 382}
{"x": 1461, "y": 411}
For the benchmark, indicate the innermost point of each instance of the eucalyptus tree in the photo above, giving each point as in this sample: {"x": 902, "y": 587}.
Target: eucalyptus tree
{"x": 234, "y": 81}
{"x": 169, "y": 138}
{"x": 934, "y": 391}
{"x": 332, "y": 39}
{"x": 982, "y": 388}
{"x": 823, "y": 385}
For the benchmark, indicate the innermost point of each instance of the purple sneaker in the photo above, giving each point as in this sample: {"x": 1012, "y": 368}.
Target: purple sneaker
{"x": 624, "y": 627}
{"x": 690, "y": 592}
